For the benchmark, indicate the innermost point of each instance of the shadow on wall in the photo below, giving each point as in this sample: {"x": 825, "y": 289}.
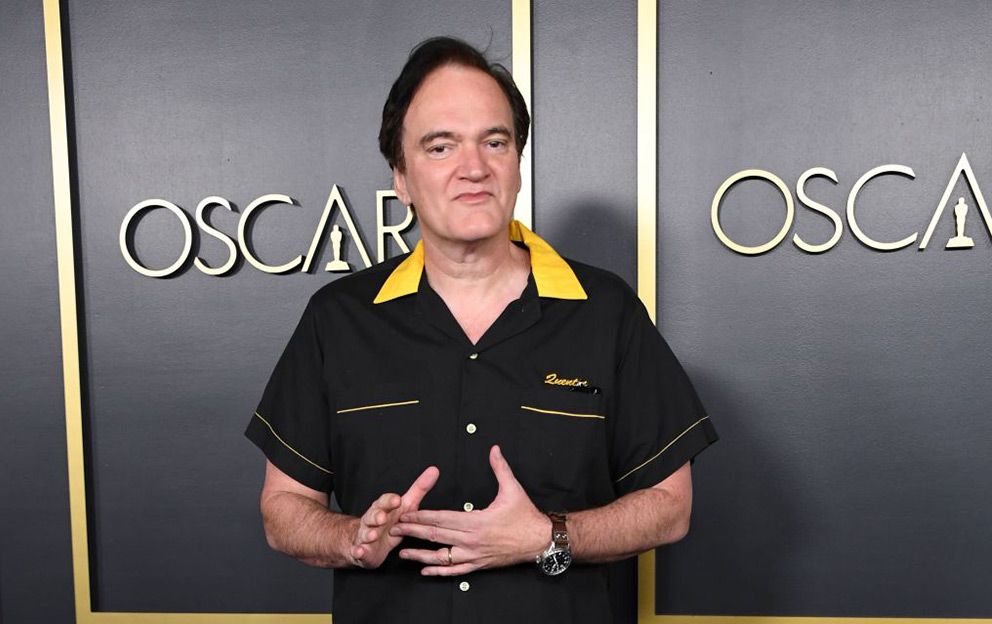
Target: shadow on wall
{"x": 596, "y": 232}
{"x": 748, "y": 535}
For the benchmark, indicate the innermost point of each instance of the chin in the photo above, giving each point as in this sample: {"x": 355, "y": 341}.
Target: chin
{"x": 480, "y": 227}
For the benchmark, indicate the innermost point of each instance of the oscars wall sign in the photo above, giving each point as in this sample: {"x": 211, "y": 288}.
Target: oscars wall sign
{"x": 960, "y": 212}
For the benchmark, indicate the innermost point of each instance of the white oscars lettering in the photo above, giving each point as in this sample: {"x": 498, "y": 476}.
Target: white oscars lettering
{"x": 963, "y": 167}
{"x": 201, "y": 222}
{"x": 393, "y": 230}
{"x": 718, "y": 199}
{"x": 335, "y": 199}
{"x": 853, "y": 222}
{"x": 959, "y": 241}
{"x": 149, "y": 204}
{"x": 809, "y": 203}
{"x": 243, "y": 246}
{"x": 243, "y": 242}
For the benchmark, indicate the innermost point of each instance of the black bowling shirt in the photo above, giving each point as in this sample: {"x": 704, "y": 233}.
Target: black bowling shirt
{"x": 573, "y": 382}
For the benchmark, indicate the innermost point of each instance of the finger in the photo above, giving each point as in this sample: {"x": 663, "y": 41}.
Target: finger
{"x": 386, "y": 502}
{"x": 458, "y": 520}
{"x": 375, "y": 516}
{"x": 501, "y": 468}
{"x": 421, "y": 487}
{"x": 455, "y": 570}
{"x": 429, "y": 533}
{"x": 366, "y": 535}
{"x": 430, "y": 557}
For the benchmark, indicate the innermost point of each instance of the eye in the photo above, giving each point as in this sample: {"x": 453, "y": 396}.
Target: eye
{"x": 497, "y": 144}
{"x": 439, "y": 149}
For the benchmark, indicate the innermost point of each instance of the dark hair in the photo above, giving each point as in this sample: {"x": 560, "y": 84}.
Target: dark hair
{"x": 425, "y": 58}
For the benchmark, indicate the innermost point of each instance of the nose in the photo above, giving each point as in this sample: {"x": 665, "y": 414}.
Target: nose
{"x": 473, "y": 164}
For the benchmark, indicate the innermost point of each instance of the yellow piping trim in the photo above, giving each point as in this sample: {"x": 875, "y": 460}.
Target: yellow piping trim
{"x": 284, "y": 443}
{"x": 368, "y": 407}
{"x": 544, "y": 411}
{"x": 552, "y": 275}
{"x": 667, "y": 446}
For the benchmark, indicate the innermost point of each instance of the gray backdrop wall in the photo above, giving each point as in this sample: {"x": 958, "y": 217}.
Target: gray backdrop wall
{"x": 848, "y": 387}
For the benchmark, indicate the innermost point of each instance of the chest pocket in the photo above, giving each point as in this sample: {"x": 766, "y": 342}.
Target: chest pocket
{"x": 375, "y": 442}
{"x": 560, "y": 446}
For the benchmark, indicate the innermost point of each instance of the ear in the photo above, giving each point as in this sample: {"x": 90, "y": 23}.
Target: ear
{"x": 520, "y": 179}
{"x": 399, "y": 185}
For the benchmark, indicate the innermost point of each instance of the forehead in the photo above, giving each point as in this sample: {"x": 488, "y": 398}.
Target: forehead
{"x": 456, "y": 96}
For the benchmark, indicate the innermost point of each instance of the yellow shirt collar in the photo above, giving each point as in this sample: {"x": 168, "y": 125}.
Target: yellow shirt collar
{"x": 553, "y": 276}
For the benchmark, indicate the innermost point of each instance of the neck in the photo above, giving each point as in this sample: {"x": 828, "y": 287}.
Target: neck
{"x": 480, "y": 266}
{"x": 476, "y": 280}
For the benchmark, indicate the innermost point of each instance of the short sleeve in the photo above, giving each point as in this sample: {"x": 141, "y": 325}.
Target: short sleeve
{"x": 659, "y": 422}
{"x": 291, "y": 425}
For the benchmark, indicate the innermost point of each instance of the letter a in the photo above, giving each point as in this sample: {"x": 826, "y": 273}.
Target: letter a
{"x": 332, "y": 199}
{"x": 963, "y": 167}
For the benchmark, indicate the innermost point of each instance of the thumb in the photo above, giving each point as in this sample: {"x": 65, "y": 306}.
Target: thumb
{"x": 420, "y": 488}
{"x": 501, "y": 468}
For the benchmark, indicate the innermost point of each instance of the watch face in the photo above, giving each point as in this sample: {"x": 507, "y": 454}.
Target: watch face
{"x": 556, "y": 563}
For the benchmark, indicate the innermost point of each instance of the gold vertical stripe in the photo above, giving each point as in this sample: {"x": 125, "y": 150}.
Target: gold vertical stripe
{"x": 522, "y": 63}
{"x": 647, "y": 229}
{"x": 647, "y": 152}
{"x": 62, "y": 195}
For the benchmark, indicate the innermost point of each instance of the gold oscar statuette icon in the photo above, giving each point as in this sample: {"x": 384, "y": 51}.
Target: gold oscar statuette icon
{"x": 960, "y": 241}
{"x": 337, "y": 265}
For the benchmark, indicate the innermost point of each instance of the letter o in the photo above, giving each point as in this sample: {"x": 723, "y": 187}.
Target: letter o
{"x": 187, "y": 233}
{"x": 718, "y": 198}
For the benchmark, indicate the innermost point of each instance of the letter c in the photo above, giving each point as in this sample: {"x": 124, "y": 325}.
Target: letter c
{"x": 861, "y": 236}
{"x": 187, "y": 240}
{"x": 274, "y": 198}
{"x": 718, "y": 198}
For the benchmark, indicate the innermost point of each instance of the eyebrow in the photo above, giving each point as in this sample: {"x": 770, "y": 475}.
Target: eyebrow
{"x": 497, "y": 130}
{"x": 447, "y": 134}
{"x": 437, "y": 134}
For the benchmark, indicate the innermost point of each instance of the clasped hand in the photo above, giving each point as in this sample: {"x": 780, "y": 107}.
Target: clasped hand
{"x": 510, "y": 530}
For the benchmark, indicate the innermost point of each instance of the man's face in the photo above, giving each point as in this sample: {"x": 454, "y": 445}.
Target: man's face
{"x": 462, "y": 170}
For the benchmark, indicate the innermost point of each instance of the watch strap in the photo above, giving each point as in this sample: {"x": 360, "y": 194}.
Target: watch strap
{"x": 559, "y": 531}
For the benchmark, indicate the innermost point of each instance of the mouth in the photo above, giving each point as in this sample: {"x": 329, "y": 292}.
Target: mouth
{"x": 473, "y": 197}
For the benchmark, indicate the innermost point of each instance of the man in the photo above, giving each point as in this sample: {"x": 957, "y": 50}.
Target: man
{"x": 485, "y": 411}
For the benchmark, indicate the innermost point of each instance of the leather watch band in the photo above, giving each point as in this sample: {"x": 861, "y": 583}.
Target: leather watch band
{"x": 559, "y": 532}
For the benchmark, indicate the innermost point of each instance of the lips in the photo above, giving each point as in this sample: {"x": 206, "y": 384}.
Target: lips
{"x": 473, "y": 197}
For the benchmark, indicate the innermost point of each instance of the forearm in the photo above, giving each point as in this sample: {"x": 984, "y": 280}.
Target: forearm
{"x": 628, "y": 526}
{"x": 303, "y": 528}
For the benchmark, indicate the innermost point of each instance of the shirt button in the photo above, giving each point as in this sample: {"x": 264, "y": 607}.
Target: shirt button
{"x": 468, "y": 506}
{"x": 464, "y": 586}
{"x": 474, "y": 356}
{"x": 471, "y": 428}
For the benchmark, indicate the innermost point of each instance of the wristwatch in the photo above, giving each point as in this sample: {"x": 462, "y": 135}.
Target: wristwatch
{"x": 558, "y": 556}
